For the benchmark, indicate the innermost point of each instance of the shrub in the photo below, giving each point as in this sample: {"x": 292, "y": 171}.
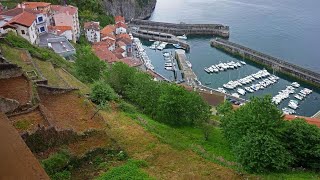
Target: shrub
{"x": 64, "y": 175}
{"x": 262, "y": 153}
{"x": 102, "y": 93}
{"x": 56, "y": 162}
{"x": 126, "y": 107}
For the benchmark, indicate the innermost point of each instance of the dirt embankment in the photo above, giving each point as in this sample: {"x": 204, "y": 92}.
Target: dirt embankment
{"x": 17, "y": 161}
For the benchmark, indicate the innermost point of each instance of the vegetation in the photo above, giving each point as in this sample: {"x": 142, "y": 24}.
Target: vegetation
{"x": 167, "y": 103}
{"x": 56, "y": 164}
{"x": 102, "y": 93}
{"x": 22, "y": 125}
{"x": 263, "y": 142}
{"x": 130, "y": 170}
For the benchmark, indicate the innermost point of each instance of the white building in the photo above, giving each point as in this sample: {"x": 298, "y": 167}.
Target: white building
{"x": 92, "y": 31}
{"x": 24, "y": 25}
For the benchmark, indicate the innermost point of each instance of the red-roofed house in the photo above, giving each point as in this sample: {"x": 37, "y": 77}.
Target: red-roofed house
{"x": 132, "y": 62}
{"x": 120, "y": 53}
{"x": 65, "y": 31}
{"x": 118, "y": 19}
{"x": 24, "y": 25}
{"x": 66, "y": 16}
{"x": 108, "y": 31}
{"x": 104, "y": 53}
{"x": 121, "y": 28}
{"x": 92, "y": 31}
{"x": 309, "y": 120}
{"x": 38, "y": 6}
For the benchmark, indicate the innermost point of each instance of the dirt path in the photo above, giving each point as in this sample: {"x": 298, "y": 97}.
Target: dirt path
{"x": 17, "y": 161}
{"x": 164, "y": 161}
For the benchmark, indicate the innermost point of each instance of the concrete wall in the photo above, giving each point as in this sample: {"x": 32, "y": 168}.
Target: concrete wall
{"x": 44, "y": 89}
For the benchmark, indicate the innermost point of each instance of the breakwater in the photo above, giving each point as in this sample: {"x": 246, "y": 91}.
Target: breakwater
{"x": 261, "y": 58}
{"x": 182, "y": 28}
{"x": 165, "y": 37}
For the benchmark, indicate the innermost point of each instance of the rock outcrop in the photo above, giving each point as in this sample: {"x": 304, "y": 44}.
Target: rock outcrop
{"x": 138, "y": 9}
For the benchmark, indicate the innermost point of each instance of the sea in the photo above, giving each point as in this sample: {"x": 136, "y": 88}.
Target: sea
{"x": 287, "y": 29}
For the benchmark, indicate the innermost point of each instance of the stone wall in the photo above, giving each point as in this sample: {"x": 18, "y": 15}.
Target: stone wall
{"x": 44, "y": 89}
{"x": 9, "y": 70}
{"x": 8, "y": 105}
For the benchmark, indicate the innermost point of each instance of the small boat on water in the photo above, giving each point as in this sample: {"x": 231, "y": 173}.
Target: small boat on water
{"x": 241, "y": 91}
{"x": 182, "y": 37}
{"x": 242, "y": 62}
{"x": 177, "y": 46}
{"x": 189, "y": 64}
{"x": 295, "y": 84}
{"x": 235, "y": 95}
{"x": 288, "y": 111}
{"x": 222, "y": 90}
{"x": 207, "y": 70}
{"x": 166, "y": 54}
{"x": 162, "y": 46}
{"x": 169, "y": 68}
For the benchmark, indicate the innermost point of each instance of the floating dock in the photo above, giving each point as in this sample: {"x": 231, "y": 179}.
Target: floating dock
{"x": 165, "y": 37}
{"x": 261, "y": 58}
{"x": 182, "y": 28}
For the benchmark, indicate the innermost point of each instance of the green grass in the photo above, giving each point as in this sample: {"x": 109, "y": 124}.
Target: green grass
{"x": 130, "y": 170}
{"x": 192, "y": 138}
{"x": 22, "y": 125}
{"x": 14, "y": 56}
{"x": 72, "y": 81}
{"x": 293, "y": 175}
{"x": 49, "y": 72}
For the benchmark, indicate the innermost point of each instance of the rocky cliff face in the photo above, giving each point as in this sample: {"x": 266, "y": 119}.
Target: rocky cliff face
{"x": 139, "y": 9}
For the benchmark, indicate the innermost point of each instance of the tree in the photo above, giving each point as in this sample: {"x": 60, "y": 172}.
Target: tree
{"x": 88, "y": 66}
{"x": 224, "y": 108}
{"x": 262, "y": 153}
{"x": 102, "y": 93}
{"x": 303, "y": 142}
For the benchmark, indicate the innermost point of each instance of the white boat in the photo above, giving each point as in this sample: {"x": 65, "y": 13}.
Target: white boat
{"x": 189, "y": 64}
{"x": 182, "y": 37}
{"x": 235, "y": 95}
{"x": 162, "y": 46}
{"x": 206, "y": 70}
{"x": 169, "y": 68}
{"x": 177, "y": 46}
{"x": 295, "y": 84}
{"x": 168, "y": 64}
{"x": 241, "y": 91}
{"x": 166, "y": 54}
{"x": 298, "y": 97}
{"x": 222, "y": 90}
{"x": 242, "y": 62}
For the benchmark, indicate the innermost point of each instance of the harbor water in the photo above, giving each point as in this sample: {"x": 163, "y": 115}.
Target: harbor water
{"x": 287, "y": 29}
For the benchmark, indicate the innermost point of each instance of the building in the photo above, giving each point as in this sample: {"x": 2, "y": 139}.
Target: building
{"x": 23, "y": 24}
{"x": 121, "y": 28}
{"x": 58, "y": 44}
{"x": 65, "y": 31}
{"x": 92, "y": 31}
{"x": 102, "y": 52}
{"x": 66, "y": 16}
{"x": 108, "y": 32}
{"x": 118, "y": 19}
{"x": 41, "y": 10}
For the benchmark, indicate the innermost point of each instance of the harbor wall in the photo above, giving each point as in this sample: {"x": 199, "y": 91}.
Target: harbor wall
{"x": 144, "y": 34}
{"x": 182, "y": 28}
{"x": 261, "y": 58}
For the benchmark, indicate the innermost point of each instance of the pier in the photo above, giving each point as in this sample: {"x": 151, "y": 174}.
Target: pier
{"x": 182, "y": 28}
{"x": 165, "y": 37}
{"x": 261, "y": 58}
{"x": 187, "y": 74}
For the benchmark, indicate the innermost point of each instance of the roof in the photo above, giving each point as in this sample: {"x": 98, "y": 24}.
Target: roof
{"x": 59, "y": 44}
{"x": 121, "y": 43}
{"x": 119, "y": 50}
{"x": 64, "y": 9}
{"x": 104, "y": 54}
{"x": 17, "y": 161}
{"x": 92, "y": 25}
{"x": 12, "y": 12}
{"x": 314, "y": 121}
{"x": 34, "y": 5}
{"x": 108, "y": 30}
{"x": 125, "y": 40}
{"x": 121, "y": 24}
{"x": 130, "y": 61}
{"x": 106, "y": 43}
{"x": 59, "y": 29}
{"x": 119, "y": 19}
{"x": 24, "y": 19}
{"x": 119, "y": 55}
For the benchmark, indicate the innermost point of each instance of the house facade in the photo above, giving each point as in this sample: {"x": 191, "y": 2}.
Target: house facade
{"x": 92, "y": 31}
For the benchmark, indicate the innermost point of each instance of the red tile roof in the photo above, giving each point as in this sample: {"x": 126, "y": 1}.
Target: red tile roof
{"x": 64, "y": 9}
{"x": 309, "y": 120}
{"x": 12, "y": 12}
{"x": 108, "y": 30}
{"x": 92, "y": 25}
{"x": 59, "y": 29}
{"x": 34, "y": 5}
{"x": 119, "y": 50}
{"x": 24, "y": 19}
{"x": 132, "y": 62}
{"x": 120, "y": 43}
{"x": 121, "y": 24}
{"x": 104, "y": 54}
{"x": 119, "y": 19}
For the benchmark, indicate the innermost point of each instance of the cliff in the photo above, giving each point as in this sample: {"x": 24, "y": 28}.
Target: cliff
{"x": 139, "y": 9}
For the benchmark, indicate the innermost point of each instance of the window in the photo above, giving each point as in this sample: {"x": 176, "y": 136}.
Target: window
{"x": 23, "y": 32}
{"x": 41, "y": 29}
{"x": 40, "y": 19}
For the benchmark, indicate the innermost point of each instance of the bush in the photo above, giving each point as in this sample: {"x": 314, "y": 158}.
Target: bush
{"x": 126, "y": 107}
{"x": 262, "y": 153}
{"x": 303, "y": 141}
{"x": 64, "y": 175}
{"x": 102, "y": 93}
{"x": 56, "y": 162}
